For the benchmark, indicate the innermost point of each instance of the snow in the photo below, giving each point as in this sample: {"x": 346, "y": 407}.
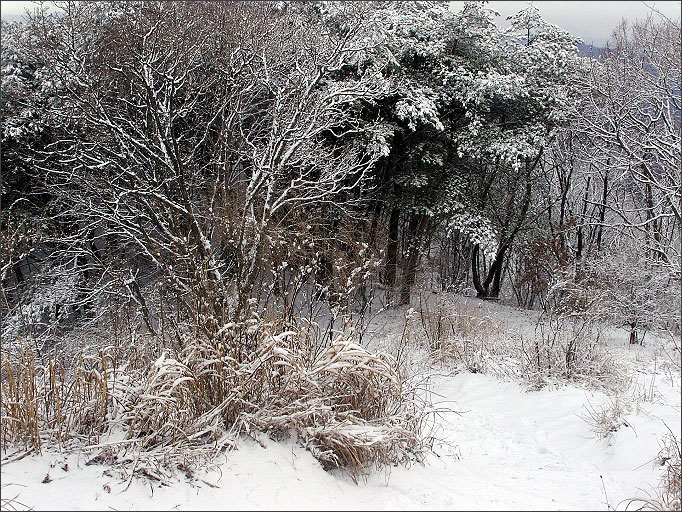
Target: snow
{"x": 499, "y": 446}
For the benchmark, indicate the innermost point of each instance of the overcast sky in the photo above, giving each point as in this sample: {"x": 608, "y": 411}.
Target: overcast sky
{"x": 593, "y": 21}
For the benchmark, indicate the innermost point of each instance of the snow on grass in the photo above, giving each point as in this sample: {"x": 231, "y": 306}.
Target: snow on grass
{"x": 498, "y": 446}
{"x": 506, "y": 448}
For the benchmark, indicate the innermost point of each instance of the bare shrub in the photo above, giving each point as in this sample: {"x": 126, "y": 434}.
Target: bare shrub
{"x": 669, "y": 457}
{"x": 532, "y": 269}
{"x": 473, "y": 339}
{"x": 568, "y": 343}
{"x": 568, "y": 348}
{"x": 605, "y": 420}
{"x": 459, "y": 335}
{"x": 312, "y": 268}
{"x": 629, "y": 289}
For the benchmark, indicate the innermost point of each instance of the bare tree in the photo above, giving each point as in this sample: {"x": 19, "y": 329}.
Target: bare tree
{"x": 631, "y": 115}
{"x": 194, "y": 127}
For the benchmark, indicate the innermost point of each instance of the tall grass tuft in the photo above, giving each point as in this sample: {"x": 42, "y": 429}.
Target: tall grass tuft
{"x": 351, "y": 408}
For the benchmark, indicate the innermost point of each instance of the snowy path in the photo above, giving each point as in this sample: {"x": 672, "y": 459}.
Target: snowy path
{"x": 535, "y": 451}
{"x": 507, "y": 449}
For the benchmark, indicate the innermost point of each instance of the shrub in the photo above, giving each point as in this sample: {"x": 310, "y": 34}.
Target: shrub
{"x": 564, "y": 346}
{"x": 568, "y": 348}
{"x": 669, "y": 458}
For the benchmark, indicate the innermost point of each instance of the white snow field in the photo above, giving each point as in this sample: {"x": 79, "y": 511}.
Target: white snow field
{"x": 500, "y": 447}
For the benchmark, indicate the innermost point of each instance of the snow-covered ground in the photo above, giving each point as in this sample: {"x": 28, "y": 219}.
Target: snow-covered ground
{"x": 499, "y": 447}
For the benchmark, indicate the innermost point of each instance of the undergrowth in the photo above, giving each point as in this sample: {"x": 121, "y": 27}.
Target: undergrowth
{"x": 351, "y": 408}
{"x": 562, "y": 349}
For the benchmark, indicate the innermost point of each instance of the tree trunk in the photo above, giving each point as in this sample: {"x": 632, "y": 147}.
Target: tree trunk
{"x": 392, "y": 248}
{"x": 653, "y": 226}
{"x": 579, "y": 249}
{"x": 490, "y": 287}
{"x": 417, "y": 228}
{"x": 497, "y": 273}
{"x": 602, "y": 207}
{"x": 17, "y": 272}
{"x": 484, "y": 290}
{"x": 475, "y": 271}
{"x": 374, "y": 224}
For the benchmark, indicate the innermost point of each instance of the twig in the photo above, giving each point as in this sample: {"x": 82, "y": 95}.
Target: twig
{"x": 608, "y": 504}
{"x": 18, "y": 458}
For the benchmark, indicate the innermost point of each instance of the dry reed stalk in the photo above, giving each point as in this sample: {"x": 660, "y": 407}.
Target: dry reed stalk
{"x": 347, "y": 405}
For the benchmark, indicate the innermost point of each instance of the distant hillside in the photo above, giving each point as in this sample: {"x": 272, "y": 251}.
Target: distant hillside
{"x": 588, "y": 50}
{"x": 12, "y": 17}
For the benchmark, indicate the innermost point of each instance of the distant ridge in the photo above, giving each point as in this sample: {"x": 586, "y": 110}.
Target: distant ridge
{"x": 12, "y": 17}
{"x": 588, "y": 50}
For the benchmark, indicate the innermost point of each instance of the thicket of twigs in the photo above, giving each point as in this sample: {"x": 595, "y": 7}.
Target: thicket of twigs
{"x": 563, "y": 347}
{"x": 188, "y": 163}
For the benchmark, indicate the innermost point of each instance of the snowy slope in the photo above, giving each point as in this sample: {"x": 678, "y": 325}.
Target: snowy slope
{"x": 499, "y": 447}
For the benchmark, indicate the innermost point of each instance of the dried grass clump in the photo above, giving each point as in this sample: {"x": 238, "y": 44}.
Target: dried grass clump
{"x": 345, "y": 404}
{"x": 460, "y": 335}
{"x": 56, "y": 401}
{"x": 12, "y": 503}
{"x": 349, "y": 407}
{"x": 476, "y": 340}
{"x": 670, "y": 456}
{"x": 564, "y": 347}
{"x": 605, "y": 420}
